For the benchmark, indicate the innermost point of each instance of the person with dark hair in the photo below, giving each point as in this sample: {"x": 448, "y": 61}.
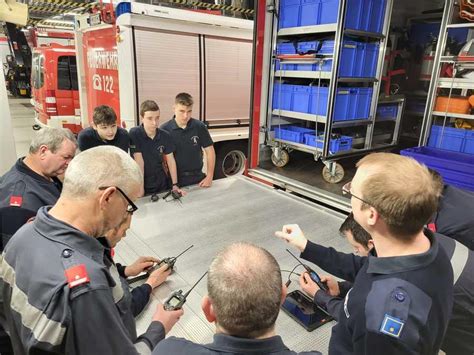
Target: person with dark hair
{"x": 153, "y": 149}
{"x": 191, "y": 138}
{"x": 104, "y": 131}
{"x": 245, "y": 292}
{"x": 454, "y": 216}
{"x": 402, "y": 295}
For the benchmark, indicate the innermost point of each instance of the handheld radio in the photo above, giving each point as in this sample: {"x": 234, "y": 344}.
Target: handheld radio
{"x": 170, "y": 261}
{"x": 178, "y": 299}
{"x": 312, "y": 274}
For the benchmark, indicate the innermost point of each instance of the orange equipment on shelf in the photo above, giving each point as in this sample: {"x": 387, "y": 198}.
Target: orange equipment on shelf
{"x": 453, "y": 104}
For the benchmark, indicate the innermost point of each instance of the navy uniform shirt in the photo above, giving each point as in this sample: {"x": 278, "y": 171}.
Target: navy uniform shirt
{"x": 455, "y": 217}
{"x": 152, "y": 151}
{"x": 89, "y": 138}
{"x": 189, "y": 143}
{"x": 397, "y": 305}
{"x": 226, "y": 344}
{"x": 62, "y": 295}
{"x": 22, "y": 193}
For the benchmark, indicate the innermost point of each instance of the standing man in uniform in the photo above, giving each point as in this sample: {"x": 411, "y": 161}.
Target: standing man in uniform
{"x": 191, "y": 137}
{"x": 245, "y": 292}
{"x": 61, "y": 293}
{"x": 33, "y": 181}
{"x": 402, "y": 295}
{"x": 153, "y": 150}
{"x": 104, "y": 131}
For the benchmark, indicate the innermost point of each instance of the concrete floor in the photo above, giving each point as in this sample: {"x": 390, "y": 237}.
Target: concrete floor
{"x": 23, "y": 114}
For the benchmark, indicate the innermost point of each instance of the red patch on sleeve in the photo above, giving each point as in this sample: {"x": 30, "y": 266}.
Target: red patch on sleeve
{"x": 432, "y": 227}
{"x": 112, "y": 252}
{"x": 16, "y": 201}
{"x": 77, "y": 275}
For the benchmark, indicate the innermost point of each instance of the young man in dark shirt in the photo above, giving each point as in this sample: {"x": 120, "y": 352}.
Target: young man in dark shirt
{"x": 104, "y": 131}
{"x": 402, "y": 295}
{"x": 191, "y": 137}
{"x": 153, "y": 150}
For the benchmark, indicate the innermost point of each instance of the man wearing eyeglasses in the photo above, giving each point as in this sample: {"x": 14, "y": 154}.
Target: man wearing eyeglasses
{"x": 402, "y": 295}
{"x": 62, "y": 294}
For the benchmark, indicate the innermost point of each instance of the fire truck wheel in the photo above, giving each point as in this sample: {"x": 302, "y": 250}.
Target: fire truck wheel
{"x": 333, "y": 178}
{"x": 282, "y": 160}
{"x": 230, "y": 158}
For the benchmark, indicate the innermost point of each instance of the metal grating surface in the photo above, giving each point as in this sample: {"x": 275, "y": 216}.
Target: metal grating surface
{"x": 234, "y": 209}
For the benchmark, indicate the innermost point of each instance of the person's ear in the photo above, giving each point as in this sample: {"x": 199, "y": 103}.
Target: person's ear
{"x": 284, "y": 291}
{"x": 373, "y": 216}
{"x": 208, "y": 309}
{"x": 94, "y": 126}
{"x": 370, "y": 245}
{"x": 105, "y": 196}
{"x": 43, "y": 149}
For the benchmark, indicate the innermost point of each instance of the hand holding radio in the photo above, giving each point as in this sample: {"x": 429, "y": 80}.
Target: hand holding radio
{"x": 167, "y": 317}
{"x": 293, "y": 234}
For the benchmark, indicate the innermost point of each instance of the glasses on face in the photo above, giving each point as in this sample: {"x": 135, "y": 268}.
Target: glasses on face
{"x": 131, "y": 207}
{"x": 346, "y": 190}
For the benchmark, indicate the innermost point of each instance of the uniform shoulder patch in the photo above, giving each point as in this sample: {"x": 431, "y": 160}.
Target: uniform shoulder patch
{"x": 16, "y": 201}
{"x": 77, "y": 275}
{"x": 392, "y": 326}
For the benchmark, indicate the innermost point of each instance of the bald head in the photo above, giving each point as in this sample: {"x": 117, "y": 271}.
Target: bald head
{"x": 245, "y": 288}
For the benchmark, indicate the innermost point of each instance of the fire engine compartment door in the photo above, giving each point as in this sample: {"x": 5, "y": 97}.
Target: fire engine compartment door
{"x": 167, "y": 63}
{"x": 233, "y": 209}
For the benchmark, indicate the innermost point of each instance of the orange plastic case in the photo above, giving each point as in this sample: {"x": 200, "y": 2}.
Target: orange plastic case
{"x": 454, "y": 104}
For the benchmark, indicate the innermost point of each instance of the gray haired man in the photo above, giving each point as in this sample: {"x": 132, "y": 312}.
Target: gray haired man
{"x": 245, "y": 292}
{"x": 62, "y": 294}
{"x": 32, "y": 182}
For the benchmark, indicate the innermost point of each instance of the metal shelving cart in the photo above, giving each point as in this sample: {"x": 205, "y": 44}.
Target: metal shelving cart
{"x": 324, "y": 124}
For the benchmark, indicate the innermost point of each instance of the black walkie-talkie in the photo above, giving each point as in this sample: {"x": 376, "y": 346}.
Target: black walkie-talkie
{"x": 312, "y": 274}
{"x": 170, "y": 261}
{"x": 178, "y": 299}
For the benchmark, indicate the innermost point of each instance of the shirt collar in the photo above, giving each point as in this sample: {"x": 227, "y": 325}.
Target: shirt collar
{"x": 61, "y": 232}
{"x": 157, "y": 135}
{"x": 396, "y": 264}
{"x": 23, "y": 168}
{"x": 174, "y": 125}
{"x": 224, "y": 342}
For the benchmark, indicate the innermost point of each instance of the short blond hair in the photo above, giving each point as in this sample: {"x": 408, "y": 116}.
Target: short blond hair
{"x": 401, "y": 190}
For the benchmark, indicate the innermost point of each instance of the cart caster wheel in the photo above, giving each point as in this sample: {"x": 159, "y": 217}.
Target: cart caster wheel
{"x": 338, "y": 174}
{"x": 281, "y": 161}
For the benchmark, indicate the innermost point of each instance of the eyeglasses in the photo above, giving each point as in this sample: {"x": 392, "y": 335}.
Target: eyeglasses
{"x": 346, "y": 190}
{"x": 131, "y": 207}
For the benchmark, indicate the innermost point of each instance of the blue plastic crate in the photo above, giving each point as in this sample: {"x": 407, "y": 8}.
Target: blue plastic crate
{"x": 365, "y": 15}
{"x": 362, "y": 103}
{"x": 304, "y": 47}
{"x": 345, "y": 104}
{"x": 290, "y": 13}
{"x": 455, "y": 168}
{"x": 369, "y": 62}
{"x": 447, "y": 138}
{"x": 387, "y": 111}
{"x": 310, "y": 12}
{"x": 328, "y": 11}
{"x": 291, "y": 133}
{"x": 286, "y": 48}
{"x": 123, "y": 8}
{"x": 282, "y": 96}
{"x": 469, "y": 143}
{"x": 350, "y": 58}
{"x": 319, "y": 100}
{"x": 327, "y": 47}
{"x": 343, "y": 143}
{"x": 325, "y": 65}
{"x": 301, "y": 98}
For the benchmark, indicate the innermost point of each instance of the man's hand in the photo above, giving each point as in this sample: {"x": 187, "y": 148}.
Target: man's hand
{"x": 140, "y": 265}
{"x": 332, "y": 285}
{"x": 180, "y": 191}
{"x": 307, "y": 285}
{"x": 167, "y": 318}
{"x": 206, "y": 182}
{"x": 293, "y": 235}
{"x": 159, "y": 276}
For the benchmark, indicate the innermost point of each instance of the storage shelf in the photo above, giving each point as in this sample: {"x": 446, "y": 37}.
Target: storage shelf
{"x": 454, "y": 59}
{"x": 455, "y": 115}
{"x": 363, "y": 33}
{"x": 458, "y": 83}
{"x": 461, "y": 25}
{"x": 415, "y": 113}
{"x": 303, "y": 74}
{"x": 357, "y": 80}
{"x": 300, "y": 116}
{"x": 299, "y": 146}
{"x": 304, "y": 30}
{"x": 351, "y": 123}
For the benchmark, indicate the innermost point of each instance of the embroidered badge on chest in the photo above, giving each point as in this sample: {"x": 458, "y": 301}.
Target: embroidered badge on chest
{"x": 161, "y": 149}
{"x": 195, "y": 139}
{"x": 392, "y": 326}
